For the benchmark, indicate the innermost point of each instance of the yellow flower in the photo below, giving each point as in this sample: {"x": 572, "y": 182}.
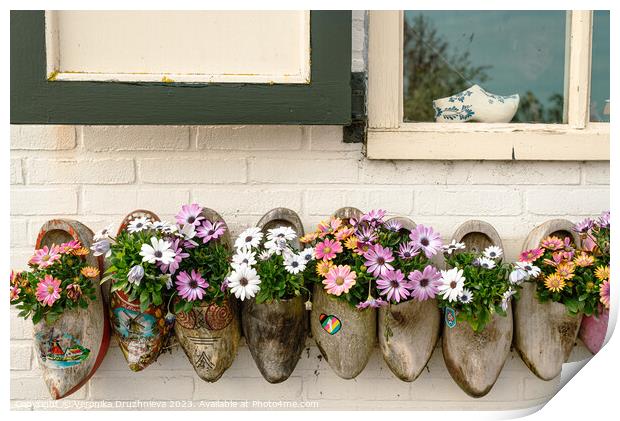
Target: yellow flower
{"x": 602, "y": 273}
{"x": 90, "y": 272}
{"x": 82, "y": 251}
{"x": 565, "y": 270}
{"x": 351, "y": 243}
{"x": 589, "y": 286}
{"x": 323, "y": 267}
{"x": 554, "y": 283}
{"x": 584, "y": 260}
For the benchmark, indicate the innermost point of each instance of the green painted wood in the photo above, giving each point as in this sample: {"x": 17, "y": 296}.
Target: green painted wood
{"x": 325, "y": 100}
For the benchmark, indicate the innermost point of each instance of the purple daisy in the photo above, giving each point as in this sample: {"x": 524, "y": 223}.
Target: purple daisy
{"x": 408, "y": 251}
{"x": 179, "y": 256}
{"x": 393, "y": 225}
{"x": 373, "y": 217}
{"x": 603, "y": 220}
{"x": 210, "y": 231}
{"x": 190, "y": 214}
{"x": 426, "y": 239}
{"x": 372, "y": 303}
{"x": 583, "y": 226}
{"x": 366, "y": 235}
{"x": 191, "y": 287}
{"x": 393, "y": 285}
{"x": 425, "y": 284}
{"x": 378, "y": 259}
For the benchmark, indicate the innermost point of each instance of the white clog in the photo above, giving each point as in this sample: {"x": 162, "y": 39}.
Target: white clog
{"x": 476, "y": 104}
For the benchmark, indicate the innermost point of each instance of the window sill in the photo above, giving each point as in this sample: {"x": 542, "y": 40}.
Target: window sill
{"x": 479, "y": 141}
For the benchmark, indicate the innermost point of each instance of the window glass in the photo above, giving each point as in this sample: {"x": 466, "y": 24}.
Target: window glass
{"x": 471, "y": 65}
{"x": 599, "y": 89}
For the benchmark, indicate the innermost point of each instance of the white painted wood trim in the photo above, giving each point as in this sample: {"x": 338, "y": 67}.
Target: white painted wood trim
{"x": 491, "y": 142}
{"x": 579, "y": 69}
{"x": 390, "y": 138}
{"x": 55, "y": 73}
{"x": 385, "y": 68}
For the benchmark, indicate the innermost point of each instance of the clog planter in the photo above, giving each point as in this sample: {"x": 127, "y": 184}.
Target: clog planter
{"x": 276, "y": 331}
{"x": 344, "y": 335}
{"x": 545, "y": 333}
{"x": 408, "y": 332}
{"x": 209, "y": 333}
{"x": 141, "y": 334}
{"x": 71, "y": 348}
{"x": 593, "y": 330}
{"x": 475, "y": 359}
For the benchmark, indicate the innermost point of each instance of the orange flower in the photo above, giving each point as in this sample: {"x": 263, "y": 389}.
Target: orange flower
{"x": 566, "y": 270}
{"x": 602, "y": 273}
{"x": 584, "y": 260}
{"x": 351, "y": 243}
{"x": 554, "y": 283}
{"x": 90, "y": 272}
{"x": 82, "y": 251}
{"x": 323, "y": 267}
{"x": 311, "y": 236}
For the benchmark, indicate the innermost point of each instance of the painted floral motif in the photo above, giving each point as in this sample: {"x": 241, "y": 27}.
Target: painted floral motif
{"x": 454, "y": 113}
{"x": 59, "y": 349}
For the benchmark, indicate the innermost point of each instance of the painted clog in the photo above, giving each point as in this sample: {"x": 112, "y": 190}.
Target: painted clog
{"x": 476, "y": 105}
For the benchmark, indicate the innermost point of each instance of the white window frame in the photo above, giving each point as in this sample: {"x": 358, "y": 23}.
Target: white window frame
{"x": 389, "y": 137}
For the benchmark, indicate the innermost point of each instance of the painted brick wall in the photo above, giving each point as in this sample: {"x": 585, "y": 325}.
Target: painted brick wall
{"x": 98, "y": 174}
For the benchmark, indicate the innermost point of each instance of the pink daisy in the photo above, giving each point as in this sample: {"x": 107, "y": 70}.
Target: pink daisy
{"x": 327, "y": 249}
{"x": 604, "y": 293}
{"x": 393, "y": 225}
{"x": 69, "y": 246}
{"x": 48, "y": 290}
{"x": 344, "y": 233}
{"x": 374, "y": 216}
{"x": 530, "y": 256}
{"x": 393, "y": 285}
{"x": 372, "y": 303}
{"x": 426, "y": 239}
{"x": 408, "y": 251}
{"x": 210, "y": 231}
{"x": 339, "y": 279}
{"x": 45, "y": 257}
{"x": 15, "y": 290}
{"x": 378, "y": 260}
{"x": 191, "y": 287}
{"x": 552, "y": 243}
{"x": 366, "y": 235}
{"x": 190, "y": 214}
{"x": 179, "y": 256}
{"x": 425, "y": 284}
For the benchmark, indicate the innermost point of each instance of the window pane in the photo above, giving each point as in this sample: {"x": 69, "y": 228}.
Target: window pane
{"x": 599, "y": 90}
{"x": 504, "y": 52}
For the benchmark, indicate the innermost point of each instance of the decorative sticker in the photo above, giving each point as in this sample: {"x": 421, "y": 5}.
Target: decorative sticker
{"x": 59, "y": 349}
{"x": 218, "y": 317}
{"x": 330, "y": 323}
{"x": 450, "y": 317}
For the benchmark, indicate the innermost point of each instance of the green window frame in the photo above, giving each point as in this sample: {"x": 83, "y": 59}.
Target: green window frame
{"x": 325, "y": 100}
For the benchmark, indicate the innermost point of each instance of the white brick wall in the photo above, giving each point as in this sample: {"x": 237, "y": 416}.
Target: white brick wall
{"x": 98, "y": 174}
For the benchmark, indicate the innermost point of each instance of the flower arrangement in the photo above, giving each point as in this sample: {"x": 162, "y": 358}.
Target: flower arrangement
{"x": 355, "y": 255}
{"x": 268, "y": 267}
{"x": 577, "y": 278}
{"x": 149, "y": 258}
{"x": 478, "y": 285}
{"x": 59, "y": 280}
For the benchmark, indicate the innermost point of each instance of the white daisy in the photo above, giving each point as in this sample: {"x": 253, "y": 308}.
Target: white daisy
{"x": 453, "y": 283}
{"x": 165, "y": 227}
{"x": 244, "y": 282}
{"x": 484, "y": 262}
{"x": 307, "y": 254}
{"x": 493, "y": 252}
{"x": 277, "y": 246}
{"x": 139, "y": 224}
{"x": 286, "y": 233}
{"x": 466, "y": 296}
{"x": 452, "y": 247}
{"x": 532, "y": 271}
{"x": 506, "y": 297}
{"x": 103, "y": 234}
{"x": 517, "y": 276}
{"x": 160, "y": 251}
{"x": 251, "y": 237}
{"x": 265, "y": 255}
{"x": 244, "y": 256}
{"x": 294, "y": 264}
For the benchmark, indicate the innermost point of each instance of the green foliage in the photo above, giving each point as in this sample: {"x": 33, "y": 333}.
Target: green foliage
{"x": 211, "y": 260}
{"x": 125, "y": 254}
{"x": 276, "y": 283}
{"x": 67, "y": 269}
{"x": 487, "y": 285}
